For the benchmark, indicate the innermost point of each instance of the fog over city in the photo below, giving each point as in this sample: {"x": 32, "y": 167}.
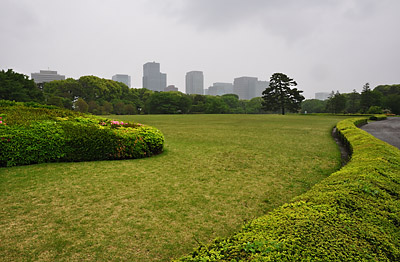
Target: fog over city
{"x": 324, "y": 45}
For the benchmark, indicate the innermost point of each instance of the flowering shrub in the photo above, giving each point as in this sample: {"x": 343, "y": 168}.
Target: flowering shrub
{"x": 63, "y": 136}
{"x": 2, "y": 122}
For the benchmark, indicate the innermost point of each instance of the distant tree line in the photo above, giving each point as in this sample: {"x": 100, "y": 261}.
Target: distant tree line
{"x": 382, "y": 99}
{"x": 103, "y": 96}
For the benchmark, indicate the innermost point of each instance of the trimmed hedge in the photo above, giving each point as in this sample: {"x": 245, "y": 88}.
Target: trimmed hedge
{"x": 378, "y": 117}
{"x": 30, "y": 135}
{"x": 353, "y": 215}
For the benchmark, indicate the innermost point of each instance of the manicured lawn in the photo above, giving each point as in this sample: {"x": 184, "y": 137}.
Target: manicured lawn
{"x": 217, "y": 172}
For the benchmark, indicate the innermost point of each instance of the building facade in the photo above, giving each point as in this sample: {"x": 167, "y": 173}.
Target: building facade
{"x": 153, "y": 79}
{"x": 126, "y": 79}
{"x": 245, "y": 87}
{"x": 219, "y": 89}
{"x": 261, "y": 86}
{"x": 195, "y": 82}
{"x": 46, "y": 76}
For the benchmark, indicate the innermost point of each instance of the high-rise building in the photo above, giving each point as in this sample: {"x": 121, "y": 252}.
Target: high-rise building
{"x": 46, "y": 76}
{"x": 195, "y": 82}
{"x": 261, "y": 86}
{"x": 126, "y": 79}
{"x": 245, "y": 87}
{"x": 219, "y": 89}
{"x": 322, "y": 95}
{"x": 153, "y": 79}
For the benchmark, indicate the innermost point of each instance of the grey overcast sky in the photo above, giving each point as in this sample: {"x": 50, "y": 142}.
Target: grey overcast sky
{"x": 324, "y": 45}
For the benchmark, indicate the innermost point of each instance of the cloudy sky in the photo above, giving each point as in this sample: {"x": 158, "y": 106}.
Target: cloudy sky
{"x": 324, "y": 45}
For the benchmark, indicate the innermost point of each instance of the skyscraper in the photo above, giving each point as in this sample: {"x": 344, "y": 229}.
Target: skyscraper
{"x": 261, "y": 86}
{"x": 218, "y": 89}
{"x": 245, "y": 87}
{"x": 153, "y": 79}
{"x": 46, "y": 76}
{"x": 126, "y": 79}
{"x": 195, "y": 82}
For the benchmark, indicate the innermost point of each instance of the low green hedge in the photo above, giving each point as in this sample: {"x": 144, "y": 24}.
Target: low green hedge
{"x": 378, "y": 117}
{"x": 353, "y": 215}
{"x": 30, "y": 135}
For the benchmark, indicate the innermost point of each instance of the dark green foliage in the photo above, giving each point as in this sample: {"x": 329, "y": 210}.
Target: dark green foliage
{"x": 375, "y": 110}
{"x": 393, "y": 103}
{"x": 168, "y": 103}
{"x": 253, "y": 106}
{"x": 391, "y": 97}
{"x": 81, "y": 105}
{"x": 280, "y": 96}
{"x": 15, "y": 86}
{"x": 336, "y": 103}
{"x": 313, "y": 106}
{"x": 353, "y": 102}
{"x": 37, "y": 134}
{"x": 369, "y": 98}
{"x": 353, "y": 215}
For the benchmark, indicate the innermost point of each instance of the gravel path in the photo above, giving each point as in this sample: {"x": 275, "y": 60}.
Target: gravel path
{"x": 386, "y": 130}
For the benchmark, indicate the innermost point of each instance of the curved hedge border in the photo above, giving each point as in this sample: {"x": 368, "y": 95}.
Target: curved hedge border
{"x": 30, "y": 135}
{"x": 353, "y": 215}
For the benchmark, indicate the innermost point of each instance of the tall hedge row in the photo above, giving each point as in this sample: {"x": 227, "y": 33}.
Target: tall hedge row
{"x": 353, "y": 215}
{"x": 30, "y": 135}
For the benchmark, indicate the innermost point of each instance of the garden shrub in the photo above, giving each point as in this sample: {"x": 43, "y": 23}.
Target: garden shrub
{"x": 32, "y": 134}
{"x": 353, "y": 215}
{"x": 88, "y": 142}
{"x": 42, "y": 142}
{"x": 378, "y": 117}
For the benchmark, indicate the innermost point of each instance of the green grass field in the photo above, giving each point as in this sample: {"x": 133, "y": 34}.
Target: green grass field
{"x": 217, "y": 172}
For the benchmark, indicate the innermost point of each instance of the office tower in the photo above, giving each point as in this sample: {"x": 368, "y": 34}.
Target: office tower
{"x": 153, "y": 79}
{"x": 261, "y": 86}
{"x": 322, "y": 95}
{"x": 219, "y": 89}
{"x": 46, "y": 76}
{"x": 195, "y": 82}
{"x": 245, "y": 87}
{"x": 126, "y": 79}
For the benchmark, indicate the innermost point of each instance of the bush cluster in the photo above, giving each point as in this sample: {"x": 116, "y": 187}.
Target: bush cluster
{"x": 34, "y": 134}
{"x": 353, "y": 215}
{"x": 378, "y": 117}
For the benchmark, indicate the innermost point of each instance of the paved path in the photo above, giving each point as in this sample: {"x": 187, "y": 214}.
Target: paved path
{"x": 386, "y": 130}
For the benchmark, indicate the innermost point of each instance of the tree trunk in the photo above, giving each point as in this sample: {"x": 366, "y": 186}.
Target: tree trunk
{"x": 283, "y": 110}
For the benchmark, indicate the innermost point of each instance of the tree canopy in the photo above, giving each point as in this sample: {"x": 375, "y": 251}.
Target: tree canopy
{"x": 15, "y": 86}
{"x": 104, "y": 96}
{"x": 280, "y": 96}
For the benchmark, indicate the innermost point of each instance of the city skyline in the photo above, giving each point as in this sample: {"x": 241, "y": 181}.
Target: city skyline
{"x": 322, "y": 45}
